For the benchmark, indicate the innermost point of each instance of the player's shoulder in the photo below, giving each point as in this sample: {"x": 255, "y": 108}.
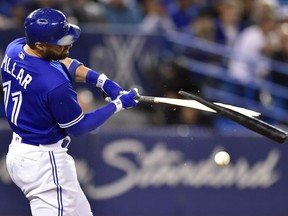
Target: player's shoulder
{"x": 53, "y": 75}
{"x": 59, "y": 70}
{"x": 17, "y": 42}
{"x": 15, "y": 45}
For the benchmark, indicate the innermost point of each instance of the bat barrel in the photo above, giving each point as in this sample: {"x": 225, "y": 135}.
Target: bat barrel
{"x": 252, "y": 123}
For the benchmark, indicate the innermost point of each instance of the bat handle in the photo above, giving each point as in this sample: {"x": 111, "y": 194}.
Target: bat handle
{"x": 146, "y": 99}
{"x": 138, "y": 97}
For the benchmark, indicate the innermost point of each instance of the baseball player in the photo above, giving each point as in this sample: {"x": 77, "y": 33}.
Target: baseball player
{"x": 42, "y": 109}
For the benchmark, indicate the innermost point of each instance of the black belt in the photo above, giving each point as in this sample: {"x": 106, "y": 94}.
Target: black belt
{"x": 65, "y": 141}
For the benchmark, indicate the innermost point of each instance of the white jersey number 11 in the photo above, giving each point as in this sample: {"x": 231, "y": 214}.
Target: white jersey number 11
{"x": 16, "y": 98}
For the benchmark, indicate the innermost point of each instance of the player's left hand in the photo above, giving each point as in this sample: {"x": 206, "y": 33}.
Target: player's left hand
{"x": 126, "y": 100}
{"x": 112, "y": 89}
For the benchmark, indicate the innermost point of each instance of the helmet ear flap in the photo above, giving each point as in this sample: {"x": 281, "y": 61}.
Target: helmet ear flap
{"x": 50, "y": 26}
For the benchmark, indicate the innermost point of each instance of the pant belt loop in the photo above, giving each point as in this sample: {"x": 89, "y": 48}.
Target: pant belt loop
{"x": 66, "y": 141}
{"x": 16, "y": 138}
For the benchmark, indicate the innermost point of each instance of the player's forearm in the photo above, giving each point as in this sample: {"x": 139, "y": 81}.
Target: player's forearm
{"x": 96, "y": 118}
{"x": 80, "y": 73}
{"x": 92, "y": 120}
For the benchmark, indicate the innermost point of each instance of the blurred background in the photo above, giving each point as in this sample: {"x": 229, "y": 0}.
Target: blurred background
{"x": 157, "y": 160}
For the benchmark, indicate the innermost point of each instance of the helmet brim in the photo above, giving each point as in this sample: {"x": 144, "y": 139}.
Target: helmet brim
{"x": 70, "y": 37}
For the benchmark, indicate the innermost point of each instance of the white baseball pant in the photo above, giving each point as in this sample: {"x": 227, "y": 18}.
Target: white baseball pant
{"x": 47, "y": 176}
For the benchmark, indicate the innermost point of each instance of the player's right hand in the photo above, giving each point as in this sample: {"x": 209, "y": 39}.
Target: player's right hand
{"x": 126, "y": 100}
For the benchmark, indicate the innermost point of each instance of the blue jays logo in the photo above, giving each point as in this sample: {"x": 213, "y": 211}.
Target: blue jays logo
{"x": 125, "y": 58}
{"x": 21, "y": 55}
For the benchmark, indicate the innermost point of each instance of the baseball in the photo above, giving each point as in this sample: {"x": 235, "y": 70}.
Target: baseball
{"x": 222, "y": 158}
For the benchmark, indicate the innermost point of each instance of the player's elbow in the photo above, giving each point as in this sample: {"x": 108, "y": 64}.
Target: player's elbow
{"x": 74, "y": 131}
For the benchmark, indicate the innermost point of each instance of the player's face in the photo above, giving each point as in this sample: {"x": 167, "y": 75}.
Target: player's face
{"x": 55, "y": 52}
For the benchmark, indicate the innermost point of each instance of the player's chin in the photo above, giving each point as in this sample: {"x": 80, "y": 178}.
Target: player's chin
{"x": 63, "y": 55}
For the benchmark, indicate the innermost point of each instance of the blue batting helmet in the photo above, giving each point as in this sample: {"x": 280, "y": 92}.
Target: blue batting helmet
{"x": 50, "y": 26}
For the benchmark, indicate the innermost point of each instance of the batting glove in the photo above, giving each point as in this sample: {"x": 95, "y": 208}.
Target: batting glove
{"x": 126, "y": 100}
{"x": 110, "y": 87}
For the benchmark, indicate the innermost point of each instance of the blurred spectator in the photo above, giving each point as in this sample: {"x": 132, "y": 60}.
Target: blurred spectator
{"x": 5, "y": 22}
{"x": 281, "y": 55}
{"x": 117, "y": 12}
{"x": 254, "y": 43}
{"x": 156, "y": 19}
{"x": 43, "y": 4}
{"x": 13, "y": 14}
{"x": 263, "y": 7}
{"x": 88, "y": 11}
{"x": 247, "y": 12}
{"x": 35, "y": 4}
{"x": 19, "y": 13}
{"x": 183, "y": 12}
{"x": 202, "y": 26}
{"x": 67, "y": 8}
{"x": 228, "y": 23}
{"x": 128, "y": 3}
{"x": 5, "y": 7}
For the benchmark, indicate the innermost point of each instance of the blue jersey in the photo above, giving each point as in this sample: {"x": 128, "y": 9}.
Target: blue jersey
{"x": 38, "y": 96}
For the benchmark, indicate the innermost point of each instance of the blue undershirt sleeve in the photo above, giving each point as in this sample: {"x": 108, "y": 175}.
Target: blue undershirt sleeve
{"x": 92, "y": 120}
{"x": 73, "y": 66}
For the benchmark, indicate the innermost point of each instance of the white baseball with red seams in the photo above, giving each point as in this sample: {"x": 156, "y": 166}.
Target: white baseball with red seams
{"x": 222, "y": 158}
